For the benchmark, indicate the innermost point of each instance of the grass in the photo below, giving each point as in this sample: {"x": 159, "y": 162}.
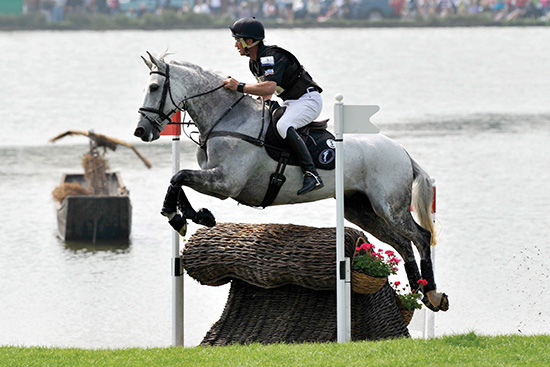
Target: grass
{"x": 458, "y": 350}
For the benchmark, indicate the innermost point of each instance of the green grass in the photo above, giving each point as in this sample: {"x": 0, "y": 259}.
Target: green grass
{"x": 459, "y": 350}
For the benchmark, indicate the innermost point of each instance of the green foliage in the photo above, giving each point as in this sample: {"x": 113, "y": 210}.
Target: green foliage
{"x": 373, "y": 263}
{"x": 369, "y": 265}
{"x": 410, "y": 301}
{"x": 468, "y": 350}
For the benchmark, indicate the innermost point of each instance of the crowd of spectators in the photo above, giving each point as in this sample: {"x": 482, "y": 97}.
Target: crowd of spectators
{"x": 289, "y": 10}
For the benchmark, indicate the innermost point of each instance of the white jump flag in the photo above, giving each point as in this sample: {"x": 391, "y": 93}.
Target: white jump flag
{"x": 347, "y": 120}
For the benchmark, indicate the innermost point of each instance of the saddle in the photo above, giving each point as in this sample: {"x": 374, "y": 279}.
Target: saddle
{"x": 319, "y": 141}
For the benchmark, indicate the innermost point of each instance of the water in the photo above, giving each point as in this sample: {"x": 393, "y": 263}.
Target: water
{"x": 470, "y": 105}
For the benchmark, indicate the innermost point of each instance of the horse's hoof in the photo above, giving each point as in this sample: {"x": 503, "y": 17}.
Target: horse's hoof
{"x": 432, "y": 297}
{"x": 428, "y": 304}
{"x": 444, "y": 304}
{"x": 205, "y": 217}
{"x": 179, "y": 224}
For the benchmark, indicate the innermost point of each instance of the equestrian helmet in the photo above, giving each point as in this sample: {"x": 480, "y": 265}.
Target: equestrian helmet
{"x": 248, "y": 28}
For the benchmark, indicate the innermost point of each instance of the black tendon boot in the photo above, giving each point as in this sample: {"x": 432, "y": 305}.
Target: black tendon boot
{"x": 312, "y": 180}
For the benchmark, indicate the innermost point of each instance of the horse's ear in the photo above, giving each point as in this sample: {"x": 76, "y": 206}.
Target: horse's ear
{"x": 154, "y": 60}
{"x": 147, "y": 62}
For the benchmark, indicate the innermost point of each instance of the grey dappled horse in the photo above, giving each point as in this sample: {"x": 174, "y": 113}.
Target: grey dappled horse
{"x": 381, "y": 179}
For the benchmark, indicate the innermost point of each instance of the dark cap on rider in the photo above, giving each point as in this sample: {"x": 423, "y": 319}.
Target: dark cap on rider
{"x": 248, "y": 28}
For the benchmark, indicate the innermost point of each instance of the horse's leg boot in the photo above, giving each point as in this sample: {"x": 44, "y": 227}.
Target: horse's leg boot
{"x": 169, "y": 206}
{"x": 312, "y": 180}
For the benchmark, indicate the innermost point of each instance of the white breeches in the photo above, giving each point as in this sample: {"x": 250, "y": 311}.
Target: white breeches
{"x": 300, "y": 112}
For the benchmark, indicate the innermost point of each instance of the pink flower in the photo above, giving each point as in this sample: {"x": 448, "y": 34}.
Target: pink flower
{"x": 395, "y": 260}
{"x": 422, "y": 282}
{"x": 389, "y": 253}
{"x": 365, "y": 246}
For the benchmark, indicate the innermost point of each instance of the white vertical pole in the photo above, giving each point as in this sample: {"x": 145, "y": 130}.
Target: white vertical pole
{"x": 429, "y": 317}
{"x": 343, "y": 292}
{"x": 177, "y": 273}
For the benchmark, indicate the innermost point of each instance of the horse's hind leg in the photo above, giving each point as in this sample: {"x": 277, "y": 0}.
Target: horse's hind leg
{"x": 359, "y": 211}
{"x": 400, "y": 218}
{"x": 398, "y": 231}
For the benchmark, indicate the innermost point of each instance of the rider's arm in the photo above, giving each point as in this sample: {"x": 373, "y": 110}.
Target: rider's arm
{"x": 264, "y": 89}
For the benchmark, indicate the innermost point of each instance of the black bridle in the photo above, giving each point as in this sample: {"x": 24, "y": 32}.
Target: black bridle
{"x": 157, "y": 121}
{"x": 161, "y": 116}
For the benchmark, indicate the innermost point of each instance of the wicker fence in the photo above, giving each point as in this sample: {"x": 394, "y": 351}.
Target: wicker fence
{"x": 283, "y": 282}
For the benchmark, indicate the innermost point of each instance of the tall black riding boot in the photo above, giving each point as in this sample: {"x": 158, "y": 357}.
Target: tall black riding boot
{"x": 312, "y": 180}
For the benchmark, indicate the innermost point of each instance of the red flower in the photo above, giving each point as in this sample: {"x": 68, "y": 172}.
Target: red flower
{"x": 365, "y": 246}
{"x": 389, "y": 253}
{"x": 397, "y": 283}
{"x": 422, "y": 282}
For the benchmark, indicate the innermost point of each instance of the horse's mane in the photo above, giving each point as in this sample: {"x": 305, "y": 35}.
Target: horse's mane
{"x": 209, "y": 76}
{"x": 199, "y": 69}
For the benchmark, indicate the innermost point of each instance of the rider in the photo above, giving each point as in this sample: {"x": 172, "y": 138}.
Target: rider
{"x": 278, "y": 71}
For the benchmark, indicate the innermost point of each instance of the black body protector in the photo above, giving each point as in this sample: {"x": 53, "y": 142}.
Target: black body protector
{"x": 279, "y": 65}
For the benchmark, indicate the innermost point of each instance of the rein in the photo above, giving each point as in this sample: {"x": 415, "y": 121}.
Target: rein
{"x": 166, "y": 90}
{"x": 157, "y": 121}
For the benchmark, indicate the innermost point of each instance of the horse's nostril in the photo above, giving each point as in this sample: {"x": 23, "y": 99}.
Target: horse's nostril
{"x": 139, "y": 132}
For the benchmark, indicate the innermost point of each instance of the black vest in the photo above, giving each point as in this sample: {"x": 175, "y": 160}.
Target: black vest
{"x": 295, "y": 80}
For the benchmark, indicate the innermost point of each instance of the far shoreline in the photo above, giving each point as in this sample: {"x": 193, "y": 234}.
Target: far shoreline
{"x": 170, "y": 21}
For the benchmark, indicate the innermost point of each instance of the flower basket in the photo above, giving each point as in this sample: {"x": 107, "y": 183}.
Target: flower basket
{"x": 407, "y": 315}
{"x": 366, "y": 284}
{"x": 362, "y": 282}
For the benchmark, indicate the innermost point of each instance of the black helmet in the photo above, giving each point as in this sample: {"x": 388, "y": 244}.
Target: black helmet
{"x": 248, "y": 28}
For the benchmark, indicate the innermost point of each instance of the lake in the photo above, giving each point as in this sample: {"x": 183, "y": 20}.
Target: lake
{"x": 469, "y": 104}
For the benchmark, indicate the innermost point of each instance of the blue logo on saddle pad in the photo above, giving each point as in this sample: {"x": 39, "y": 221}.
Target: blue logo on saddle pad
{"x": 326, "y": 156}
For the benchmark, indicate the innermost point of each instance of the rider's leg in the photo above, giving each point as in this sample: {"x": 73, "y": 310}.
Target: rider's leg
{"x": 299, "y": 113}
{"x": 312, "y": 180}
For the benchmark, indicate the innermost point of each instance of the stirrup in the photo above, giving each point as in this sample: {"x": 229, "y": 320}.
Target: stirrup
{"x": 318, "y": 181}
{"x": 311, "y": 185}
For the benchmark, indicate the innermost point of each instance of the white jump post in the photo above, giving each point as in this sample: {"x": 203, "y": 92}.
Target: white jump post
{"x": 352, "y": 120}
{"x": 177, "y": 274}
{"x": 429, "y": 317}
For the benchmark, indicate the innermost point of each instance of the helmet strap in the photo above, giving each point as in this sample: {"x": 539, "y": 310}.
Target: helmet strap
{"x": 246, "y": 46}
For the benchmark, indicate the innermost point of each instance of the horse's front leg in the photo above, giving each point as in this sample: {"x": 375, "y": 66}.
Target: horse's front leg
{"x": 176, "y": 199}
{"x": 210, "y": 181}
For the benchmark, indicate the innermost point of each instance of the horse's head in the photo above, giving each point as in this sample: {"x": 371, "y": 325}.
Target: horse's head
{"x": 158, "y": 105}
{"x": 182, "y": 86}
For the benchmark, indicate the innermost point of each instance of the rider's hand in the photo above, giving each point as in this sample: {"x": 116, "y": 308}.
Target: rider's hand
{"x": 230, "y": 83}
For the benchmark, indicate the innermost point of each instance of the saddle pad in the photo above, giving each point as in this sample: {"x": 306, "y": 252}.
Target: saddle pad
{"x": 320, "y": 144}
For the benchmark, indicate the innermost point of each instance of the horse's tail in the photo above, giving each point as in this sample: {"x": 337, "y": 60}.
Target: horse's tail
{"x": 422, "y": 198}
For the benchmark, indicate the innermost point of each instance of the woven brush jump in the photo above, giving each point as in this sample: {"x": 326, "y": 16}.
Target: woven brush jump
{"x": 283, "y": 285}
{"x": 294, "y": 314}
{"x": 266, "y": 255}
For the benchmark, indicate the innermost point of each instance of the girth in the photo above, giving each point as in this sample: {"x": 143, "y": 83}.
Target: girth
{"x": 315, "y": 135}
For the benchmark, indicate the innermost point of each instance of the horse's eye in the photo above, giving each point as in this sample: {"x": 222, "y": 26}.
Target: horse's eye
{"x": 153, "y": 87}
